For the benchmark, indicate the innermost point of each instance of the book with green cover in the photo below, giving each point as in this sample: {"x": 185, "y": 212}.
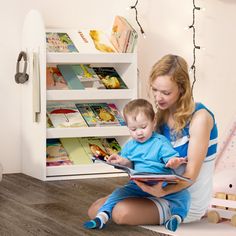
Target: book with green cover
{"x": 69, "y": 75}
{"x": 76, "y": 151}
{"x": 87, "y": 76}
{"x": 59, "y": 42}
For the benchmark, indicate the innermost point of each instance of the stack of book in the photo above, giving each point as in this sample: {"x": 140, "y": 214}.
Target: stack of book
{"x": 77, "y": 151}
{"x": 123, "y": 36}
{"x": 66, "y": 115}
{"x": 83, "y": 76}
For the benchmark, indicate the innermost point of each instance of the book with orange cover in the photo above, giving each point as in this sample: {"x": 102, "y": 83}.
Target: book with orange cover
{"x": 55, "y": 80}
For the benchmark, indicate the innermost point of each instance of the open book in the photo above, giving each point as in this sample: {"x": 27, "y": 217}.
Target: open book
{"x": 149, "y": 178}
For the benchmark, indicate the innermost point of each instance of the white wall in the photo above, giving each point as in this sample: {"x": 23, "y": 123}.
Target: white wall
{"x": 163, "y": 21}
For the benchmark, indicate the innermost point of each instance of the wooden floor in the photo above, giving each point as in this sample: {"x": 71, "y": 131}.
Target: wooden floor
{"x": 32, "y": 207}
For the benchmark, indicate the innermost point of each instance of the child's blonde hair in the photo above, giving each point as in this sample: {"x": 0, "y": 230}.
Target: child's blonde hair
{"x": 175, "y": 67}
{"x": 137, "y": 106}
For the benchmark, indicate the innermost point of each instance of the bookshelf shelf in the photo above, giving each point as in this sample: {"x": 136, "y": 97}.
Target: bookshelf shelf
{"x": 90, "y": 94}
{"x": 90, "y": 58}
{"x": 34, "y": 131}
{"x": 87, "y": 132}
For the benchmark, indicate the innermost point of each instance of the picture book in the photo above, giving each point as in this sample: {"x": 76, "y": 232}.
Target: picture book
{"x": 59, "y": 42}
{"x": 99, "y": 148}
{"x": 110, "y": 78}
{"x": 87, "y": 76}
{"x": 117, "y": 114}
{"x": 65, "y": 115}
{"x": 55, "y": 79}
{"x": 88, "y": 114}
{"x": 111, "y": 145}
{"x": 104, "y": 114}
{"x": 94, "y": 41}
{"x": 93, "y": 147}
{"x": 133, "y": 38}
{"x": 101, "y": 41}
{"x": 76, "y": 151}
{"x": 122, "y": 34}
{"x": 56, "y": 153}
{"x": 69, "y": 75}
{"x": 149, "y": 178}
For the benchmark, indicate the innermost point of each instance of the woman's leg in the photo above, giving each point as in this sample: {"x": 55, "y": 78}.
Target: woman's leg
{"x": 131, "y": 211}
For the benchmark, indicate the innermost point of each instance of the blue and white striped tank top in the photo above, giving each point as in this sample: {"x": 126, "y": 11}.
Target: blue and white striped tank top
{"x": 181, "y": 143}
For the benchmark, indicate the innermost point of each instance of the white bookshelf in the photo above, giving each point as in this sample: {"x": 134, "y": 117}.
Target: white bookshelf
{"x": 35, "y": 98}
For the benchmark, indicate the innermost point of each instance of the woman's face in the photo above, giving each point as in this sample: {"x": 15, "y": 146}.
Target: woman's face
{"x": 165, "y": 92}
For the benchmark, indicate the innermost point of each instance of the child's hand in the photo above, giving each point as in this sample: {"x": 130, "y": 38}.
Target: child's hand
{"x": 116, "y": 159}
{"x": 175, "y": 162}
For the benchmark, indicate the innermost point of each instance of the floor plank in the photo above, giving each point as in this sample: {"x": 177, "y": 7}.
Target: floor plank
{"x": 32, "y": 207}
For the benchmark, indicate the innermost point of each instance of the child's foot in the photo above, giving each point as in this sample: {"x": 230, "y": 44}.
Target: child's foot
{"x": 96, "y": 223}
{"x": 173, "y": 223}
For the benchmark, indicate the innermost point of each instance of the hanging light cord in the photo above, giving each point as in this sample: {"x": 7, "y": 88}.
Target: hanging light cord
{"x": 136, "y": 16}
{"x": 195, "y": 46}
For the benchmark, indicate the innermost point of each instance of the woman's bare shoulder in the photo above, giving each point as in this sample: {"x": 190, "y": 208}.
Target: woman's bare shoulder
{"x": 202, "y": 118}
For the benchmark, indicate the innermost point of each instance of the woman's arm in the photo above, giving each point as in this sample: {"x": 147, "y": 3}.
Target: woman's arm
{"x": 199, "y": 131}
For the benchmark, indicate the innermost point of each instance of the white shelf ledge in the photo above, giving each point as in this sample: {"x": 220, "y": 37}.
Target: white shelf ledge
{"x": 88, "y": 132}
{"x": 90, "y": 94}
{"x": 90, "y": 58}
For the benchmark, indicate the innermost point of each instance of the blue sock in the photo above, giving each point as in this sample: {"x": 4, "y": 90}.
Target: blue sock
{"x": 94, "y": 224}
{"x": 98, "y": 222}
{"x": 173, "y": 223}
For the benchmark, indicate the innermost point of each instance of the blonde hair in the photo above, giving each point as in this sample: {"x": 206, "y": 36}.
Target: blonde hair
{"x": 137, "y": 106}
{"x": 175, "y": 67}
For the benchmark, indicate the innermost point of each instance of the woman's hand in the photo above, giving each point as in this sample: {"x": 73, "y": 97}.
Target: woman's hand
{"x": 155, "y": 190}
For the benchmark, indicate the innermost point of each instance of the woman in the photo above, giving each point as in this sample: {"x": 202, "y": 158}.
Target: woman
{"x": 192, "y": 131}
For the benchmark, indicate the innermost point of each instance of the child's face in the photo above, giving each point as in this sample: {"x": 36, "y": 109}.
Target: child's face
{"x": 140, "y": 127}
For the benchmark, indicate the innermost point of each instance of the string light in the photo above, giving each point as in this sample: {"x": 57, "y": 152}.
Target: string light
{"x": 195, "y": 46}
{"x": 136, "y": 18}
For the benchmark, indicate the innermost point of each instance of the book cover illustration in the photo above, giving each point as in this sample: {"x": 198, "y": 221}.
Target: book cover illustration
{"x": 65, "y": 115}
{"x": 88, "y": 114}
{"x": 117, "y": 113}
{"x": 76, "y": 151}
{"x": 110, "y": 78}
{"x": 99, "y": 148}
{"x": 59, "y": 42}
{"x": 111, "y": 145}
{"x": 123, "y": 35}
{"x": 104, "y": 114}
{"x": 94, "y": 41}
{"x": 70, "y": 76}
{"x": 101, "y": 41}
{"x": 87, "y": 77}
{"x": 56, "y": 153}
{"x": 55, "y": 79}
{"x": 149, "y": 178}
